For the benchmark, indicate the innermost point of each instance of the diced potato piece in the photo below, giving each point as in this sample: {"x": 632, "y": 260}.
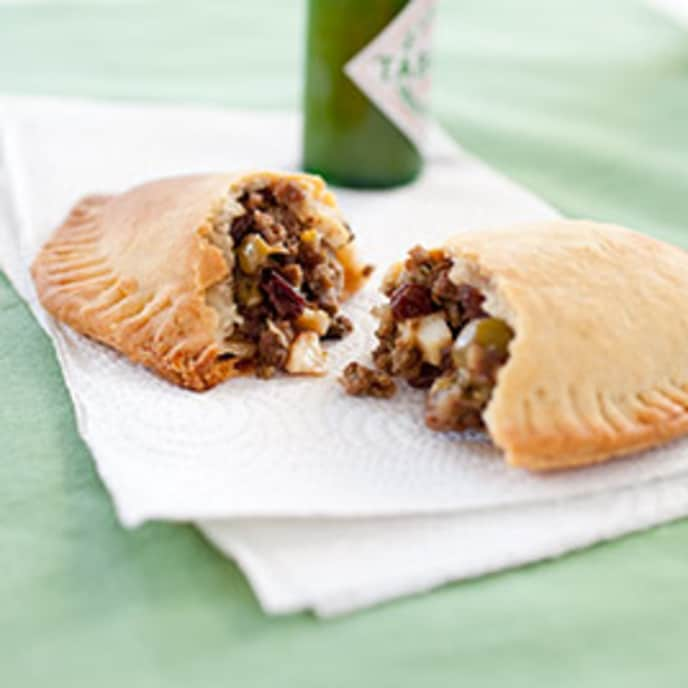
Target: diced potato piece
{"x": 314, "y": 320}
{"x": 430, "y": 334}
{"x": 433, "y": 335}
{"x": 306, "y": 357}
{"x": 391, "y": 278}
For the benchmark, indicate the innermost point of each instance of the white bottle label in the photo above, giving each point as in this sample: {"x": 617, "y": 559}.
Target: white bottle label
{"x": 393, "y": 70}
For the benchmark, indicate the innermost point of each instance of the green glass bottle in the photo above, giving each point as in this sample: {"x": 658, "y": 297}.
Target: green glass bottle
{"x": 367, "y": 86}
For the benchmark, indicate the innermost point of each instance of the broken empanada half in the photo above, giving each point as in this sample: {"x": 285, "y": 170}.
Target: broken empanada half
{"x": 567, "y": 341}
{"x": 201, "y": 278}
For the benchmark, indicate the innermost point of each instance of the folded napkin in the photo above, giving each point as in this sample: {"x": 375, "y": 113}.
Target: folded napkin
{"x": 337, "y": 566}
{"x": 327, "y": 502}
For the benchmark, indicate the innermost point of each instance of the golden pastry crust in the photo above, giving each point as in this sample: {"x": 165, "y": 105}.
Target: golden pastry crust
{"x": 133, "y": 270}
{"x": 599, "y": 365}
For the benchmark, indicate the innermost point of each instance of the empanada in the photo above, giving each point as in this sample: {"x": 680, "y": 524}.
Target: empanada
{"x": 567, "y": 341}
{"x": 204, "y": 277}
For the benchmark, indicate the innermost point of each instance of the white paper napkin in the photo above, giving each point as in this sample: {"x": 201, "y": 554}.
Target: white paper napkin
{"x": 677, "y": 9}
{"x": 298, "y": 448}
{"x": 337, "y": 566}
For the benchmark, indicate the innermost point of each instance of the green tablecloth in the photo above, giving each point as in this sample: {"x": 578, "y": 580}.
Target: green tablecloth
{"x": 584, "y": 102}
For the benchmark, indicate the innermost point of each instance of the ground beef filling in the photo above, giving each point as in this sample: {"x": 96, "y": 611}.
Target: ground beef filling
{"x": 287, "y": 283}
{"x": 361, "y": 381}
{"x": 435, "y": 335}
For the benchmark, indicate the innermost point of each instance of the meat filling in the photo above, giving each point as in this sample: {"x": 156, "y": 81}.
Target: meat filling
{"x": 287, "y": 284}
{"x": 361, "y": 381}
{"x": 435, "y": 335}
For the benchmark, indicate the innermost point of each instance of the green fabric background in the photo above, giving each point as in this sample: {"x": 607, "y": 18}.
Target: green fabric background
{"x": 584, "y": 102}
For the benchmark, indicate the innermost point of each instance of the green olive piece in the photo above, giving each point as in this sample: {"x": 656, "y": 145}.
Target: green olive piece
{"x": 487, "y": 333}
{"x": 254, "y": 252}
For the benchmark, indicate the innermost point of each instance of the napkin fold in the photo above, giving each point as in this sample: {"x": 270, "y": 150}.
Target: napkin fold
{"x": 327, "y": 502}
{"x": 339, "y": 566}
